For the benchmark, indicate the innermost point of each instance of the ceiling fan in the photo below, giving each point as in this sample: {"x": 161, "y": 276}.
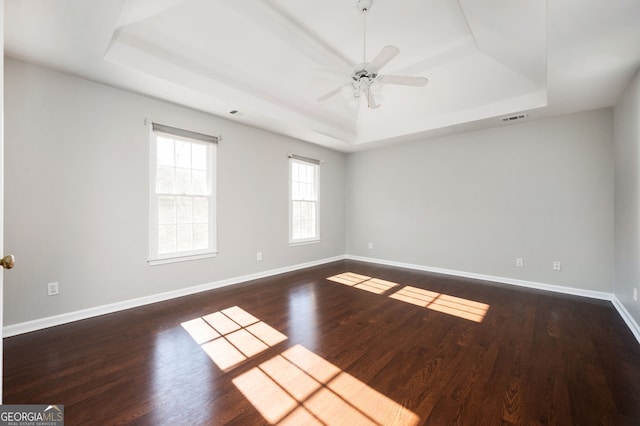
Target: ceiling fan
{"x": 365, "y": 79}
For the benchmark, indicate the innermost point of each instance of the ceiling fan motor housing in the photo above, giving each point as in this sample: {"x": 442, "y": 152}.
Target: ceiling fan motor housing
{"x": 364, "y": 5}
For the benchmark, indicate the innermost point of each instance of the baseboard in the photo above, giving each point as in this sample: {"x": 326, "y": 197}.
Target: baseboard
{"x": 622, "y": 311}
{"x": 42, "y": 323}
{"x": 503, "y": 280}
{"x": 626, "y": 317}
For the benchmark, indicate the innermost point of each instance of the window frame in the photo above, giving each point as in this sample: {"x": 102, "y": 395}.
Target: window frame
{"x": 156, "y": 258}
{"x": 316, "y": 167}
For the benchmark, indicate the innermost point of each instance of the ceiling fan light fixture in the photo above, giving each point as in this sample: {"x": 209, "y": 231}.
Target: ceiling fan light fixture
{"x": 376, "y": 87}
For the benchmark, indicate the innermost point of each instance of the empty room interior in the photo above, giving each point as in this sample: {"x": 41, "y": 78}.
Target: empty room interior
{"x": 341, "y": 212}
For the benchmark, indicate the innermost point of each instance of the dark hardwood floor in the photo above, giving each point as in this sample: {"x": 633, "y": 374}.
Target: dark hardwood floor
{"x": 404, "y": 347}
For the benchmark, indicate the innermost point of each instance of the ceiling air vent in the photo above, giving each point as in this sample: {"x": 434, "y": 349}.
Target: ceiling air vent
{"x": 514, "y": 117}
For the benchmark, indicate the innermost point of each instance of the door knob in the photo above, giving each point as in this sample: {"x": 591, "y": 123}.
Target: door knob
{"x": 8, "y": 261}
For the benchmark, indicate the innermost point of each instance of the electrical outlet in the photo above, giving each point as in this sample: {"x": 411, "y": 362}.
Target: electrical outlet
{"x": 259, "y": 256}
{"x": 520, "y": 262}
{"x": 370, "y": 245}
{"x": 635, "y": 294}
{"x": 556, "y": 266}
{"x": 52, "y": 289}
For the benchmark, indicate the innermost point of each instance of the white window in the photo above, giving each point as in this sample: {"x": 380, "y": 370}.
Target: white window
{"x": 182, "y": 195}
{"x": 304, "y": 217}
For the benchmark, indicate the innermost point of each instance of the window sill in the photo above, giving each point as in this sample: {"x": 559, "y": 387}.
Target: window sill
{"x": 164, "y": 261}
{"x": 303, "y": 243}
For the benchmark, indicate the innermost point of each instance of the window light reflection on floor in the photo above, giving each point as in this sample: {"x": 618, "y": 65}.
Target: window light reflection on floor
{"x": 295, "y": 386}
{"x": 300, "y": 387}
{"x": 232, "y": 336}
{"x": 363, "y": 282}
{"x": 451, "y": 305}
{"x": 457, "y": 306}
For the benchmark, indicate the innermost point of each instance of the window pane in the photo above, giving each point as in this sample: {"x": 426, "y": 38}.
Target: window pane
{"x": 166, "y": 210}
{"x": 296, "y": 229}
{"x": 309, "y": 174}
{"x": 295, "y": 191}
{"x": 295, "y": 213}
{"x": 183, "y": 181}
{"x": 200, "y": 210}
{"x": 165, "y": 151}
{"x": 199, "y": 157}
{"x": 200, "y": 237}
{"x": 199, "y": 182}
{"x": 308, "y": 170}
{"x": 183, "y": 154}
{"x": 307, "y": 191}
{"x": 165, "y": 180}
{"x": 185, "y": 237}
{"x": 166, "y": 239}
{"x": 312, "y": 211}
{"x": 312, "y": 228}
{"x": 184, "y": 210}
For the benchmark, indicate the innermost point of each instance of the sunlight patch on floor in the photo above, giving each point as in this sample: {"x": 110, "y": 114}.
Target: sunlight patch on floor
{"x": 232, "y": 336}
{"x": 363, "y": 282}
{"x": 349, "y": 278}
{"x": 446, "y": 304}
{"x": 451, "y": 305}
{"x": 295, "y": 386}
{"x": 298, "y": 386}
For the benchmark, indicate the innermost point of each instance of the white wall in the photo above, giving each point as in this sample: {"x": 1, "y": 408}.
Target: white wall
{"x": 627, "y": 197}
{"x": 474, "y": 202}
{"x": 77, "y": 176}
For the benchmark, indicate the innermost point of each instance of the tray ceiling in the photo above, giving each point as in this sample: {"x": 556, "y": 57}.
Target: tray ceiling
{"x": 272, "y": 59}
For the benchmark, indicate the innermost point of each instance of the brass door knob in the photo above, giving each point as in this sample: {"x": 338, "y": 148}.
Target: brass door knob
{"x": 8, "y": 261}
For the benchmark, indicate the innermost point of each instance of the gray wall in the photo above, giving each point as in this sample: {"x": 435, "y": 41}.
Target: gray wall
{"x": 474, "y": 202}
{"x": 627, "y": 197}
{"x": 76, "y": 206}
{"x": 76, "y": 202}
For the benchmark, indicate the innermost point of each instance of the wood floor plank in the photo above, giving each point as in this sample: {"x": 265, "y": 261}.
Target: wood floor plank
{"x": 485, "y": 353}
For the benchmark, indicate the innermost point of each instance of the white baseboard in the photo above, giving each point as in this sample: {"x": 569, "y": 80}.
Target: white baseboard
{"x": 41, "y": 323}
{"x": 626, "y": 316}
{"x": 503, "y": 280}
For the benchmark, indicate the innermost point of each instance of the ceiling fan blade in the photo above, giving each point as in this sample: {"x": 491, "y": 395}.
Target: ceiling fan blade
{"x": 386, "y": 54}
{"x": 371, "y": 100}
{"x": 404, "y": 80}
{"x": 330, "y": 94}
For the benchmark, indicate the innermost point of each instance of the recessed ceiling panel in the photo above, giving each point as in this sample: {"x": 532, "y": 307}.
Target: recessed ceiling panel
{"x": 273, "y": 59}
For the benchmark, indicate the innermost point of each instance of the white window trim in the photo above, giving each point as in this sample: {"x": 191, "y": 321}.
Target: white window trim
{"x": 160, "y": 259}
{"x": 304, "y": 241}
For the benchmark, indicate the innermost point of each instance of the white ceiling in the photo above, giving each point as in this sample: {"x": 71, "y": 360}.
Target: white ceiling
{"x": 270, "y": 59}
